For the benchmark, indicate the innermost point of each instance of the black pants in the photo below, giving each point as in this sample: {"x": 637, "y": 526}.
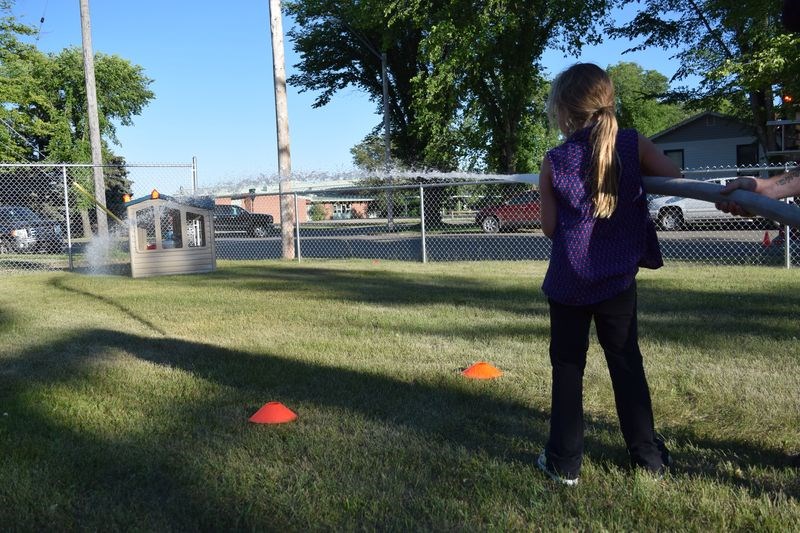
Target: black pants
{"x": 615, "y": 322}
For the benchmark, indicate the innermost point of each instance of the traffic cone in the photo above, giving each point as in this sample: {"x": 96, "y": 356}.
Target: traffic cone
{"x": 273, "y": 413}
{"x": 482, "y": 370}
{"x": 767, "y": 241}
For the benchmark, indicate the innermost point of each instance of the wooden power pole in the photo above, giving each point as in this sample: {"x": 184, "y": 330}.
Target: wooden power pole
{"x": 282, "y": 125}
{"x": 94, "y": 123}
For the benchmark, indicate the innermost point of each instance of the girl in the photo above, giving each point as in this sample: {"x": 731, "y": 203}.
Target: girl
{"x": 595, "y": 211}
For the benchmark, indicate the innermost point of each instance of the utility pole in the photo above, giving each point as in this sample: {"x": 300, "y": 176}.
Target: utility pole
{"x": 282, "y": 125}
{"x": 94, "y": 123}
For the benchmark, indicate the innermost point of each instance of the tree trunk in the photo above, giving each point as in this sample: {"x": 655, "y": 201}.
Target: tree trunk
{"x": 87, "y": 225}
{"x": 761, "y": 108}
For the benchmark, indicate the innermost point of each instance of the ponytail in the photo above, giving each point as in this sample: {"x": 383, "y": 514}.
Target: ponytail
{"x": 604, "y": 168}
{"x": 581, "y": 96}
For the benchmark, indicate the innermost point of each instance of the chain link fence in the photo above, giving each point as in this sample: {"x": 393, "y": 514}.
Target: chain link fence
{"x": 48, "y": 224}
{"x": 444, "y": 219}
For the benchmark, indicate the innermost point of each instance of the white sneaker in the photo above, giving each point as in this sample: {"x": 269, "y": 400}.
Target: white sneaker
{"x": 541, "y": 462}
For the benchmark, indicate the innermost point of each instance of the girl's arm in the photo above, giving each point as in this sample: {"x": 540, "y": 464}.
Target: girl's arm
{"x": 653, "y": 162}
{"x": 548, "y": 199}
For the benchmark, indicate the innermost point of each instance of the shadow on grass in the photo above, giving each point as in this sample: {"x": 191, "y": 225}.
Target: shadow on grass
{"x": 665, "y": 313}
{"x": 107, "y": 269}
{"x": 6, "y": 320}
{"x": 151, "y": 471}
{"x": 383, "y": 287}
{"x": 105, "y": 472}
{"x": 58, "y": 283}
{"x": 158, "y": 473}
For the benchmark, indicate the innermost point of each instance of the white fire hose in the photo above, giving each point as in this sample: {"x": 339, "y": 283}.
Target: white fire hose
{"x": 786, "y": 214}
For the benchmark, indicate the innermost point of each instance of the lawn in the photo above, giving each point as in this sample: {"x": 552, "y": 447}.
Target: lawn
{"x": 124, "y": 403}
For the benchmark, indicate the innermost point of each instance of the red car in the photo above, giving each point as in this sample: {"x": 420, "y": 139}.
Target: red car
{"x": 520, "y": 211}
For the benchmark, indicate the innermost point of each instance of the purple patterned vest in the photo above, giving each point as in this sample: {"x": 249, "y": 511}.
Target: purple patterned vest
{"x": 594, "y": 259}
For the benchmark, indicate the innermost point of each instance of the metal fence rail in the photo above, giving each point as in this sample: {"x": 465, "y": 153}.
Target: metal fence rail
{"x": 432, "y": 219}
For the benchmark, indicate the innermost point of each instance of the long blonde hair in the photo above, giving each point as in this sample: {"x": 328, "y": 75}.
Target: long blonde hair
{"x": 581, "y": 96}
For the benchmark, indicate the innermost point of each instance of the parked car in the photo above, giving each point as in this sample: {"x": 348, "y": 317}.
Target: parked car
{"x": 520, "y": 211}
{"x": 233, "y": 220}
{"x": 23, "y": 230}
{"x": 675, "y": 212}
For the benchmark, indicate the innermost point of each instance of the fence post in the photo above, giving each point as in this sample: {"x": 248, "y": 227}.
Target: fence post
{"x": 787, "y": 242}
{"x": 66, "y": 212}
{"x": 296, "y": 227}
{"x": 422, "y": 223}
{"x": 194, "y": 174}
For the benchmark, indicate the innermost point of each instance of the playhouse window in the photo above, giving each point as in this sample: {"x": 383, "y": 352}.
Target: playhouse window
{"x": 195, "y": 229}
{"x": 145, "y": 229}
{"x": 171, "y": 235}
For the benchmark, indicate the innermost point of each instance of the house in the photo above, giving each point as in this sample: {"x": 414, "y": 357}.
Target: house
{"x": 262, "y": 202}
{"x": 329, "y": 207}
{"x": 340, "y": 207}
{"x": 710, "y": 140}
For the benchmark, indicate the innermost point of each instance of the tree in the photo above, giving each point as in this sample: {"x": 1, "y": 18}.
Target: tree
{"x": 21, "y": 92}
{"x": 43, "y": 112}
{"x": 640, "y": 99}
{"x": 482, "y": 83}
{"x": 737, "y": 48}
{"x": 44, "y": 97}
{"x": 464, "y": 76}
{"x": 368, "y": 155}
{"x": 465, "y": 85}
{"x": 338, "y": 41}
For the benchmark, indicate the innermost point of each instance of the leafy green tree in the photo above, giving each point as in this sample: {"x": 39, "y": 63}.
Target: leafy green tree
{"x": 317, "y": 212}
{"x": 43, "y": 113}
{"x": 43, "y": 97}
{"x": 464, "y": 76}
{"x": 640, "y": 99}
{"x": 738, "y": 49}
{"x": 122, "y": 92}
{"x": 369, "y": 154}
{"x": 340, "y": 43}
{"x": 482, "y": 81}
{"x": 21, "y": 92}
{"x": 465, "y": 86}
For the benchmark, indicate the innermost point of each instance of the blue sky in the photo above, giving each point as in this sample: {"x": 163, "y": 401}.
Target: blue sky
{"x": 211, "y": 63}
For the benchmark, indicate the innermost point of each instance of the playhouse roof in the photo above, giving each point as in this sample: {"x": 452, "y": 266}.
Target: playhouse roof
{"x": 202, "y": 202}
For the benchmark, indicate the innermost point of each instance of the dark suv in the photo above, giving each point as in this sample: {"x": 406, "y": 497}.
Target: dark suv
{"x": 235, "y": 221}
{"x": 520, "y": 211}
{"x": 23, "y": 230}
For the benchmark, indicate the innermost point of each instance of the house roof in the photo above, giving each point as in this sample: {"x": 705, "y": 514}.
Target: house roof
{"x": 696, "y": 118}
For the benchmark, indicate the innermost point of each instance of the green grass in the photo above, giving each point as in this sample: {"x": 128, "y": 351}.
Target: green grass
{"x": 124, "y": 402}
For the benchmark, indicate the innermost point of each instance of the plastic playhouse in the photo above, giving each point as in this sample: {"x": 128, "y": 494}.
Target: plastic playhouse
{"x": 170, "y": 236}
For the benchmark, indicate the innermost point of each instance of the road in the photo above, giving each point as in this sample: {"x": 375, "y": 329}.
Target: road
{"x": 733, "y": 246}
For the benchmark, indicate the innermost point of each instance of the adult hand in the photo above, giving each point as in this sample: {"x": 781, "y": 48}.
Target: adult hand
{"x": 745, "y": 183}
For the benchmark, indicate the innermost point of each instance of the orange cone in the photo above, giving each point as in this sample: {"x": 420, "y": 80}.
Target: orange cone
{"x": 482, "y": 370}
{"x": 273, "y": 413}
{"x": 767, "y": 241}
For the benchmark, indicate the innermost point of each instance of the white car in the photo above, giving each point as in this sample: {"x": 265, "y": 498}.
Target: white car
{"x": 675, "y": 212}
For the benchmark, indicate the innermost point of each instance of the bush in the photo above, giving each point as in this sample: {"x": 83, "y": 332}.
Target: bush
{"x": 316, "y": 212}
